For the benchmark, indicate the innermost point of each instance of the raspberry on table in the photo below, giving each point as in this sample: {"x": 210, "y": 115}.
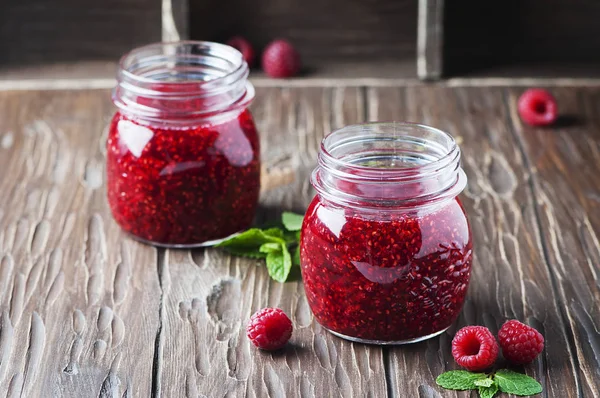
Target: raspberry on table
{"x": 243, "y": 46}
{"x": 269, "y": 329}
{"x": 520, "y": 343}
{"x": 474, "y": 348}
{"x": 537, "y": 107}
{"x": 280, "y": 59}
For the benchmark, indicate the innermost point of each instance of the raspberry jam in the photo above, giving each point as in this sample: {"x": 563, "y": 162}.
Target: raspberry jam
{"x": 183, "y": 165}
{"x": 386, "y": 246}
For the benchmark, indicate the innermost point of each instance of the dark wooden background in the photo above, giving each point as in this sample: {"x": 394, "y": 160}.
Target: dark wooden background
{"x": 508, "y": 38}
{"x": 84, "y": 311}
{"x": 533, "y": 35}
{"x": 42, "y": 31}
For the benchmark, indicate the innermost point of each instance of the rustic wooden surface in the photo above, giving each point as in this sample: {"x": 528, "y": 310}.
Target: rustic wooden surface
{"x": 86, "y": 311}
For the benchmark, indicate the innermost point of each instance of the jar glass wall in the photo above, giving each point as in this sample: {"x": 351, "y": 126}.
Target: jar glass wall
{"x": 386, "y": 246}
{"x": 183, "y": 166}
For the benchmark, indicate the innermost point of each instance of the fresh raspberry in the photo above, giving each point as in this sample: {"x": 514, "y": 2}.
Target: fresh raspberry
{"x": 537, "y": 107}
{"x": 520, "y": 343}
{"x": 474, "y": 348}
{"x": 243, "y": 46}
{"x": 269, "y": 329}
{"x": 280, "y": 59}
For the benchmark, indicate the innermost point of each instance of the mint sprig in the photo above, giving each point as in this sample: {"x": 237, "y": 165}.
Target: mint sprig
{"x": 488, "y": 391}
{"x": 459, "y": 380}
{"x": 275, "y": 245}
{"x": 487, "y": 382}
{"x": 517, "y": 383}
{"x": 292, "y": 221}
{"x": 503, "y": 380}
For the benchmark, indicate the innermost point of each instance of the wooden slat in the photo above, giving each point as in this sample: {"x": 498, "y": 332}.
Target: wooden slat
{"x": 208, "y": 296}
{"x": 78, "y": 298}
{"x": 564, "y": 162}
{"x": 321, "y": 30}
{"x": 552, "y": 34}
{"x": 430, "y": 39}
{"x": 175, "y": 20}
{"x": 78, "y": 301}
{"x": 510, "y": 278}
{"x": 37, "y": 32}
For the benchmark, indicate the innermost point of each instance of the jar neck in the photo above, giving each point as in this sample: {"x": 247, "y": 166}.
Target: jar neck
{"x": 183, "y": 82}
{"x": 394, "y": 166}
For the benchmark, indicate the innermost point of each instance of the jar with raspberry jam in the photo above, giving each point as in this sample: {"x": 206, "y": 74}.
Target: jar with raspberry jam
{"x": 385, "y": 245}
{"x": 183, "y": 166}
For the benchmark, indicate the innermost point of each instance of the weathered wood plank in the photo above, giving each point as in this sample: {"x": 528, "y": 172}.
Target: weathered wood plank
{"x": 175, "y": 20}
{"x": 208, "y": 296}
{"x": 78, "y": 301}
{"x": 430, "y": 39}
{"x": 510, "y": 278}
{"x": 564, "y": 163}
{"x": 63, "y": 31}
{"x": 82, "y": 308}
{"x": 335, "y": 30}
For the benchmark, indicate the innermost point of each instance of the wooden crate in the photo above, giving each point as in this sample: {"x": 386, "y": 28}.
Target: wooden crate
{"x": 337, "y": 38}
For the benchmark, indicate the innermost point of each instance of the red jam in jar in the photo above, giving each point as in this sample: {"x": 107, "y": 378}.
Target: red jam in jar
{"x": 183, "y": 166}
{"x": 386, "y": 247}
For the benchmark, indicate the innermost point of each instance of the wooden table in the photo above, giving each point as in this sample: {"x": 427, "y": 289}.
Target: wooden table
{"x": 86, "y": 312}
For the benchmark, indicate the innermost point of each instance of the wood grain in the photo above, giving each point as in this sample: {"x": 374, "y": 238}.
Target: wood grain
{"x": 86, "y": 311}
{"x": 564, "y": 163}
{"x": 203, "y": 345}
{"x": 552, "y": 34}
{"x": 78, "y": 302}
{"x": 510, "y": 278}
{"x": 430, "y": 39}
{"x": 175, "y": 20}
{"x": 41, "y": 32}
{"x": 321, "y": 30}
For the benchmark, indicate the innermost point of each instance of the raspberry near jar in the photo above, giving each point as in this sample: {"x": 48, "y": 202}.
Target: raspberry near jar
{"x": 183, "y": 165}
{"x": 386, "y": 247}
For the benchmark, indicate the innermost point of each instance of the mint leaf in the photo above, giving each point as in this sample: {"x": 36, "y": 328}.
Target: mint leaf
{"x": 516, "y": 383}
{"x": 274, "y": 232}
{"x": 270, "y": 247}
{"x": 459, "y": 380}
{"x": 279, "y": 264}
{"x": 292, "y": 221}
{"x": 488, "y": 391}
{"x": 484, "y": 382}
{"x": 248, "y": 243}
{"x": 296, "y": 258}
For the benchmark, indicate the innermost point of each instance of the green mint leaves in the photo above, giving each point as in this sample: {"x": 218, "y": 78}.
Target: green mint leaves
{"x": 503, "y": 380}
{"x": 248, "y": 243}
{"x": 275, "y": 245}
{"x": 517, "y": 383}
{"x": 459, "y": 380}
{"x": 488, "y": 391}
{"x": 292, "y": 221}
{"x": 487, "y": 382}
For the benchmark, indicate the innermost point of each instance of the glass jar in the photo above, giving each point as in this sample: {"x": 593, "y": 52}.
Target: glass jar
{"x": 183, "y": 166}
{"x": 385, "y": 245}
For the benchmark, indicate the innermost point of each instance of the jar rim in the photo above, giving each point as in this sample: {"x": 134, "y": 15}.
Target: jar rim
{"x": 155, "y": 80}
{"x": 452, "y": 149}
{"x": 223, "y": 49}
{"x": 419, "y": 165}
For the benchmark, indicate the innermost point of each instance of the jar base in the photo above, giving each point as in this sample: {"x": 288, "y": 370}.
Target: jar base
{"x": 181, "y": 246}
{"x": 385, "y": 342}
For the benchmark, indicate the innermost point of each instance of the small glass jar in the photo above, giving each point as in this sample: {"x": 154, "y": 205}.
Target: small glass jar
{"x": 385, "y": 245}
{"x": 183, "y": 166}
